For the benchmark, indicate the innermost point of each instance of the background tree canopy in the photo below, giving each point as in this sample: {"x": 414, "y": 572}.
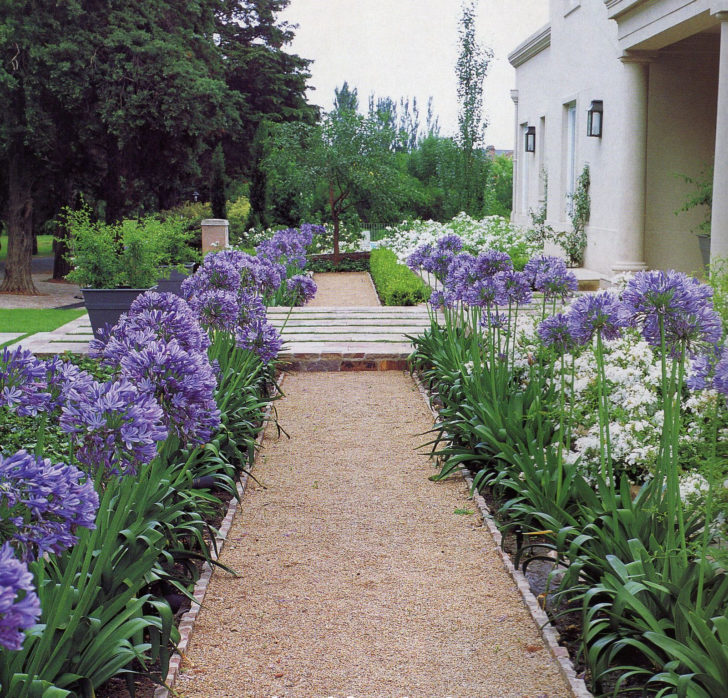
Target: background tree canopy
{"x": 125, "y": 102}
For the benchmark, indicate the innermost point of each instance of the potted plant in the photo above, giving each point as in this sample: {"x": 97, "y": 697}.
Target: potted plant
{"x": 113, "y": 264}
{"x": 177, "y": 256}
{"x": 702, "y": 195}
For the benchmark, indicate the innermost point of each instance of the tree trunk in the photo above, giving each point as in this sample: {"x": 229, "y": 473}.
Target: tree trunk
{"x": 61, "y": 266}
{"x": 335, "y": 220}
{"x": 18, "y": 277}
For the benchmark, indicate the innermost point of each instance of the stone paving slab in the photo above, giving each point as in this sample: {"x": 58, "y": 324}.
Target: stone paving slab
{"x": 9, "y": 336}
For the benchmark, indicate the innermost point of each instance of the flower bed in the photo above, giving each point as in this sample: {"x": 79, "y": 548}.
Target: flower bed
{"x": 395, "y": 283}
{"x": 579, "y": 425}
{"x": 144, "y": 441}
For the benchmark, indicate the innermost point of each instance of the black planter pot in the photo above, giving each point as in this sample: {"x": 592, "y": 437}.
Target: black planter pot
{"x": 173, "y": 284}
{"x": 106, "y": 305}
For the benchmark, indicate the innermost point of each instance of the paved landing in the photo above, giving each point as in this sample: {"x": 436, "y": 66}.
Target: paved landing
{"x": 316, "y": 339}
{"x": 362, "y": 338}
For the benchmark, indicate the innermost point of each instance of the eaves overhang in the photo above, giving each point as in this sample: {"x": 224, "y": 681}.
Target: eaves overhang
{"x": 531, "y": 47}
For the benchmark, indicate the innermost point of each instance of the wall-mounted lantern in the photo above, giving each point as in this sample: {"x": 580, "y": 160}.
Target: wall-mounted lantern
{"x": 531, "y": 139}
{"x": 595, "y": 119}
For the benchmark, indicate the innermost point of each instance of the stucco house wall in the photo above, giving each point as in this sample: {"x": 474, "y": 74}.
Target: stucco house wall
{"x": 660, "y": 112}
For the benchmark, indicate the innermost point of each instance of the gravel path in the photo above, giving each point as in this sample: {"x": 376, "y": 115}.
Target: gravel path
{"x": 358, "y": 576}
{"x": 337, "y": 289}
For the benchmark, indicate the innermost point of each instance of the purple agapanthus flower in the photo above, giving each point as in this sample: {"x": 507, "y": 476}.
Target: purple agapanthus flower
{"x": 113, "y": 425}
{"x": 19, "y": 604}
{"x": 600, "y": 314}
{"x": 23, "y": 382}
{"x": 286, "y": 247}
{"x": 494, "y": 321}
{"x": 182, "y": 383}
{"x": 417, "y": 259}
{"x": 555, "y": 331}
{"x": 310, "y": 230}
{"x": 515, "y": 287}
{"x": 461, "y": 275}
{"x": 702, "y": 369}
{"x": 301, "y": 289}
{"x": 450, "y": 243}
{"x": 262, "y": 338}
{"x": 216, "y": 309}
{"x": 251, "y": 308}
{"x": 549, "y": 276}
{"x": 720, "y": 379}
{"x": 485, "y": 292}
{"x": 62, "y": 377}
{"x": 673, "y": 306}
{"x": 490, "y": 262}
{"x": 439, "y": 300}
{"x": 44, "y": 503}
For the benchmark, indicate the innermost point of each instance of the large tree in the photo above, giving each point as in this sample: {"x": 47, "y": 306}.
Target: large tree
{"x": 124, "y": 102}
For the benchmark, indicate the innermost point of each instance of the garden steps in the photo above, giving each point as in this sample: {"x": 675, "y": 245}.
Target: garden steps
{"x": 351, "y": 338}
{"x": 74, "y": 336}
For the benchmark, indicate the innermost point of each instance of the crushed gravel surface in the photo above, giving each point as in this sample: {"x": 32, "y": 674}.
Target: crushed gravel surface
{"x": 357, "y": 575}
{"x": 337, "y": 289}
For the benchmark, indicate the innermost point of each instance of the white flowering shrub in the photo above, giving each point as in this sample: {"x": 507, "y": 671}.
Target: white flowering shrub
{"x": 492, "y": 232}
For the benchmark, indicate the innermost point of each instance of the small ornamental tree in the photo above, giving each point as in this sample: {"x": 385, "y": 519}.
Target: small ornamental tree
{"x": 349, "y": 154}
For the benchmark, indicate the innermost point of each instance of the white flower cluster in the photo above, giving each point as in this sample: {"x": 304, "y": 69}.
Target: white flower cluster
{"x": 492, "y": 232}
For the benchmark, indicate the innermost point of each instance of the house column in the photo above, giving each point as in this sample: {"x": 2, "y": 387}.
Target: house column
{"x": 719, "y": 215}
{"x": 633, "y": 171}
{"x": 516, "y": 188}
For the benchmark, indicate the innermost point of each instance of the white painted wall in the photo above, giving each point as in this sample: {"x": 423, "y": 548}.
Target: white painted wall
{"x": 582, "y": 64}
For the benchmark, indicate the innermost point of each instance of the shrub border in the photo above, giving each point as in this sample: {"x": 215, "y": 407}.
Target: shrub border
{"x": 548, "y": 632}
{"x": 187, "y": 622}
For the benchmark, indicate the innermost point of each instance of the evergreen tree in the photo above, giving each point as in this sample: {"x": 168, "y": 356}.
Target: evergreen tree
{"x": 217, "y": 183}
{"x": 346, "y": 100}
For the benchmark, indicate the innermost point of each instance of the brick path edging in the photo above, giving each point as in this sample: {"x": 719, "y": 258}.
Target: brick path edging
{"x": 187, "y": 623}
{"x": 548, "y": 632}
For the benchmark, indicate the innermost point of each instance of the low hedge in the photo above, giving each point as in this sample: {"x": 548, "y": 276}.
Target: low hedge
{"x": 396, "y": 284}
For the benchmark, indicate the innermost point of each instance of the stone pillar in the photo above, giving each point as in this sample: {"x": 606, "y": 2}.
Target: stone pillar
{"x": 719, "y": 216}
{"x": 516, "y": 178}
{"x": 633, "y": 171}
{"x": 214, "y": 235}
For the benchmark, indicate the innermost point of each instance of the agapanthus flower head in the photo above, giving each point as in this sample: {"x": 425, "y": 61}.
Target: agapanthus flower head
{"x": 113, "y": 425}
{"x": 439, "y": 300}
{"x": 216, "y": 309}
{"x": 555, "y": 331}
{"x": 44, "y": 503}
{"x": 485, "y": 293}
{"x": 720, "y": 379}
{"x": 675, "y": 307}
{"x": 262, "y": 338}
{"x": 221, "y": 270}
{"x": 449, "y": 243}
{"x": 461, "y": 275}
{"x": 417, "y": 259}
{"x": 269, "y": 275}
{"x": 19, "y": 604}
{"x": 250, "y": 307}
{"x": 310, "y": 230}
{"x": 23, "y": 382}
{"x": 438, "y": 262}
{"x": 702, "y": 369}
{"x": 494, "y": 321}
{"x": 63, "y": 378}
{"x": 490, "y": 262}
{"x": 515, "y": 287}
{"x": 182, "y": 383}
{"x": 549, "y": 276}
{"x": 301, "y": 289}
{"x": 600, "y": 314}
{"x": 164, "y": 302}
{"x": 286, "y": 247}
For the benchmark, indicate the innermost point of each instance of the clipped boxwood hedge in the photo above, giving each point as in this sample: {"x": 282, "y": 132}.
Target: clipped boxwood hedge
{"x": 396, "y": 284}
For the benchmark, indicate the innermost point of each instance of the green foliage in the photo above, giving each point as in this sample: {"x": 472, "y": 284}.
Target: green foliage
{"x": 702, "y": 195}
{"x": 718, "y": 280}
{"x": 396, "y": 284}
{"x": 573, "y": 242}
{"x": 217, "y": 184}
{"x": 45, "y": 246}
{"x": 345, "y": 264}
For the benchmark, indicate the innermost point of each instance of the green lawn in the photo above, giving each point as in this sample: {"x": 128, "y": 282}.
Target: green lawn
{"x": 45, "y": 246}
{"x": 32, "y": 320}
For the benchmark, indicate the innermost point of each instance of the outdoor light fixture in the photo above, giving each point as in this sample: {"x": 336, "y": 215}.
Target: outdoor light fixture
{"x": 531, "y": 139}
{"x": 594, "y": 119}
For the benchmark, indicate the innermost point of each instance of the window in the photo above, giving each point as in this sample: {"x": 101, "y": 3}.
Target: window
{"x": 525, "y": 159}
{"x": 570, "y": 151}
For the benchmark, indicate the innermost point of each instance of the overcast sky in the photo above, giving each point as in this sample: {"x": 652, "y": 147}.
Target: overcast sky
{"x": 408, "y": 48}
